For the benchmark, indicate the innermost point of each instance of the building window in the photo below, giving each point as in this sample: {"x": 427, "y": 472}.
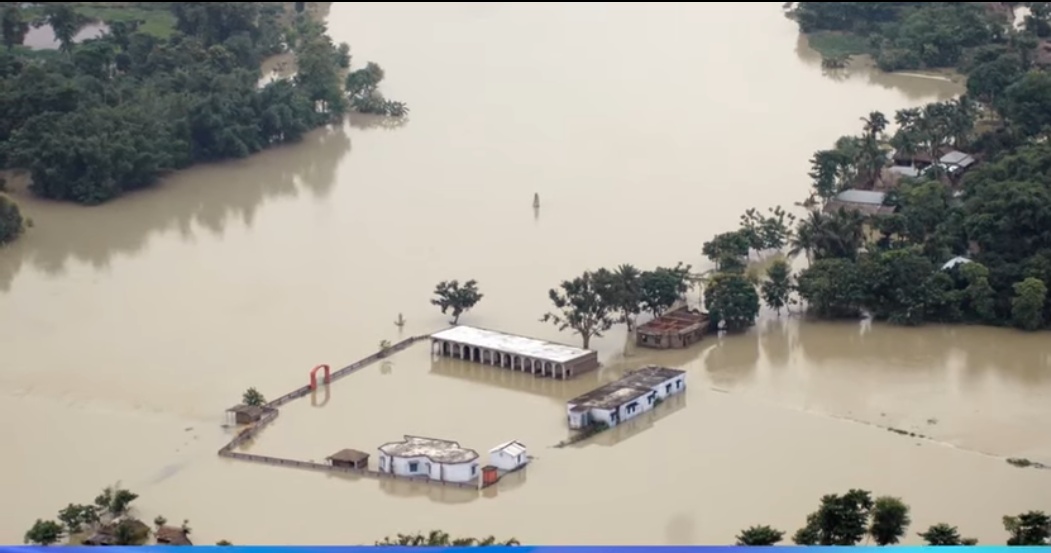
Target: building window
{"x": 632, "y": 407}
{"x": 652, "y": 398}
{"x": 413, "y": 466}
{"x": 678, "y": 384}
{"x": 474, "y": 470}
{"x": 667, "y": 389}
{"x": 659, "y": 340}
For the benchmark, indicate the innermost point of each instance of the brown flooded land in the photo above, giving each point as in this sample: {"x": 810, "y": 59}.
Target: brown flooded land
{"x": 130, "y": 327}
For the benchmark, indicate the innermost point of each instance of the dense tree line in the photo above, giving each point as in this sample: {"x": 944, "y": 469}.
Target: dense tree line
{"x": 911, "y": 35}
{"x": 840, "y": 520}
{"x": 847, "y": 519}
{"x": 113, "y": 114}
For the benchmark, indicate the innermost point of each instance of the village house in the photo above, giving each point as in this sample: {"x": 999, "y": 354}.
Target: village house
{"x": 349, "y": 459}
{"x": 866, "y": 202}
{"x": 678, "y": 328}
{"x": 508, "y": 456}
{"x": 170, "y": 535}
{"x": 635, "y": 393}
{"x": 517, "y": 353}
{"x": 956, "y": 163}
{"x": 442, "y": 460}
{"x": 245, "y": 414}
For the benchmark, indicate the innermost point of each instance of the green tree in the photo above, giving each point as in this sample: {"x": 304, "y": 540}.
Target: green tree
{"x": 777, "y": 288}
{"x": 832, "y": 288}
{"x": 451, "y": 296}
{"x": 580, "y": 307}
{"x": 890, "y": 520}
{"x": 839, "y": 520}
{"x": 115, "y": 500}
{"x": 658, "y": 291}
{"x": 732, "y": 300}
{"x": 945, "y": 534}
{"x": 44, "y": 532}
{"x": 729, "y": 250}
{"x": 896, "y": 286}
{"x": 75, "y": 517}
{"x": 437, "y": 538}
{"x": 622, "y": 289}
{"x": 760, "y": 536}
{"x": 253, "y": 398}
{"x": 64, "y": 22}
{"x": 1027, "y": 103}
{"x": 11, "y": 222}
{"x": 979, "y": 294}
{"x": 1027, "y": 306}
{"x": 13, "y": 26}
{"x": 1029, "y": 528}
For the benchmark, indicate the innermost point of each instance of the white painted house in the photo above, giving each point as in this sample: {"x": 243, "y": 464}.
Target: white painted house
{"x": 634, "y": 394}
{"x": 508, "y": 456}
{"x": 443, "y": 460}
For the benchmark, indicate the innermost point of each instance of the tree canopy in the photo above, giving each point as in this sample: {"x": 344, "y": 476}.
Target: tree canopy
{"x": 113, "y": 114}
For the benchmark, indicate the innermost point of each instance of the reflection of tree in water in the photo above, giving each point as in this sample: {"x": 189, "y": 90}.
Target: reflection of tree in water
{"x": 209, "y": 196}
{"x": 776, "y": 341}
{"x": 914, "y": 88}
{"x": 843, "y": 346}
{"x": 366, "y": 121}
{"x": 734, "y": 359}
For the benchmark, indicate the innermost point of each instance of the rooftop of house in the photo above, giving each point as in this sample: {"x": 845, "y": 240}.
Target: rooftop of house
{"x": 170, "y": 535}
{"x": 910, "y": 172}
{"x": 675, "y": 321}
{"x": 251, "y": 410}
{"x": 348, "y": 456}
{"x": 955, "y": 262}
{"x": 513, "y": 448}
{"x": 869, "y": 202}
{"x": 957, "y": 158}
{"x": 628, "y": 388}
{"x": 511, "y": 344}
{"x": 437, "y": 450}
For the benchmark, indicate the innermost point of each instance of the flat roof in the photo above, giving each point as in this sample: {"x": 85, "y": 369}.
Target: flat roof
{"x": 854, "y": 196}
{"x": 628, "y": 388}
{"x": 437, "y": 450}
{"x": 510, "y": 343}
{"x": 349, "y": 456}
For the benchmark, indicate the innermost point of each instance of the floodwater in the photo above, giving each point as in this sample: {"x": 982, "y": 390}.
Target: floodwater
{"x": 130, "y": 327}
{"x": 43, "y": 37}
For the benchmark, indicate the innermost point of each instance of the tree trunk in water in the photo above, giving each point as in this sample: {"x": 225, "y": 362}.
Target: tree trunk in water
{"x": 586, "y": 338}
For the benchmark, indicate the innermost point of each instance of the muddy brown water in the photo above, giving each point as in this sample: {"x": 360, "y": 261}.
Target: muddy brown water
{"x": 129, "y": 328}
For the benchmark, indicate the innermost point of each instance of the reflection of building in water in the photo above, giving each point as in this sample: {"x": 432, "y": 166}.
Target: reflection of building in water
{"x": 517, "y": 353}
{"x": 443, "y": 460}
{"x": 639, "y": 424}
{"x": 678, "y": 328}
{"x": 508, "y": 380}
{"x": 635, "y": 393}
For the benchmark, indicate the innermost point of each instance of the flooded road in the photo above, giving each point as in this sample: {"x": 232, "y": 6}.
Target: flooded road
{"x": 130, "y": 327}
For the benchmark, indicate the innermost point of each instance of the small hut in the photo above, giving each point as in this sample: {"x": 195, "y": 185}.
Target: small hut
{"x": 246, "y": 414}
{"x": 349, "y": 459}
{"x": 171, "y": 535}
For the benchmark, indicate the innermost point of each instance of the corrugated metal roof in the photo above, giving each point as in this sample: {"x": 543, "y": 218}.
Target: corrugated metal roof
{"x": 861, "y": 196}
{"x": 957, "y": 158}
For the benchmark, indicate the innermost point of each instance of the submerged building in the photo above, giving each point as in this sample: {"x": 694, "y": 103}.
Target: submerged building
{"x": 635, "y": 393}
{"x": 678, "y": 328}
{"x": 437, "y": 459}
{"x": 517, "y": 353}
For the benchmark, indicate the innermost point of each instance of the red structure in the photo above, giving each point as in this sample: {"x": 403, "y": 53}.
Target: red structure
{"x": 489, "y": 476}
{"x": 313, "y": 376}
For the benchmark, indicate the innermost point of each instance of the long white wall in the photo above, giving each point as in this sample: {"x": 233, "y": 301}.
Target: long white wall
{"x": 422, "y": 466}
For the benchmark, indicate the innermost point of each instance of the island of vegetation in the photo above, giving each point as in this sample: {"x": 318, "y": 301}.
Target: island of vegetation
{"x": 169, "y": 85}
{"x": 839, "y": 520}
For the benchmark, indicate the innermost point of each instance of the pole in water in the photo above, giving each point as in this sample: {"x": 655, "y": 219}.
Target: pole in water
{"x": 536, "y": 200}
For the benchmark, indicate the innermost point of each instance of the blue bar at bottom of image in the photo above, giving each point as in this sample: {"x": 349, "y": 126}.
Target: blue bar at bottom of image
{"x": 520, "y": 549}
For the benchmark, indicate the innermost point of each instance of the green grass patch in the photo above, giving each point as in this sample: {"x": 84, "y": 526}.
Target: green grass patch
{"x": 839, "y": 45}
{"x": 156, "y": 19}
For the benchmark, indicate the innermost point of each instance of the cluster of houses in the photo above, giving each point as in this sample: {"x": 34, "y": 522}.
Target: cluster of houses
{"x": 953, "y": 163}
